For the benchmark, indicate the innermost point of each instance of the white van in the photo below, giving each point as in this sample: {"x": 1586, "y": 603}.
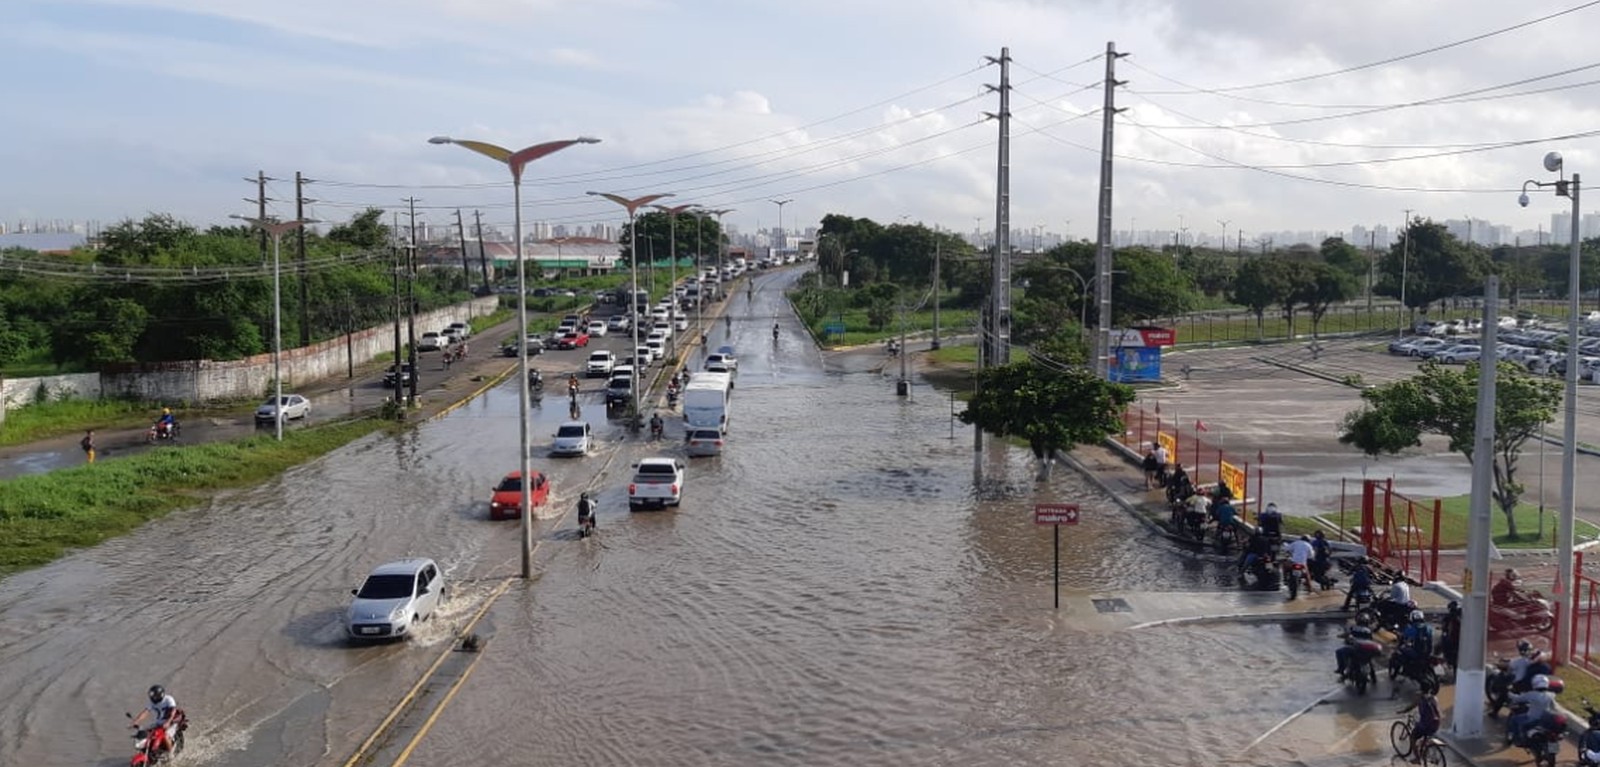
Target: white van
{"x": 705, "y": 400}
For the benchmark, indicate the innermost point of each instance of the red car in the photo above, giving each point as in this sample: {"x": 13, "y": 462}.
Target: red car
{"x": 573, "y": 340}
{"x": 507, "y": 500}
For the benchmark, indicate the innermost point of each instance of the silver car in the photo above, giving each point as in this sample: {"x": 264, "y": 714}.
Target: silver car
{"x": 704, "y": 442}
{"x": 572, "y": 438}
{"x": 294, "y": 406}
{"x": 394, "y": 599}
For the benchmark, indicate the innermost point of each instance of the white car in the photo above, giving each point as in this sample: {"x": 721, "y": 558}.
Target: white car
{"x": 294, "y": 406}
{"x": 644, "y": 355}
{"x": 572, "y": 438}
{"x": 597, "y": 329}
{"x": 727, "y": 362}
{"x": 461, "y": 329}
{"x": 394, "y": 599}
{"x": 600, "y": 364}
{"x": 680, "y": 322}
{"x": 431, "y": 341}
{"x": 657, "y": 347}
{"x": 659, "y": 313}
{"x": 1427, "y": 347}
{"x": 664, "y": 328}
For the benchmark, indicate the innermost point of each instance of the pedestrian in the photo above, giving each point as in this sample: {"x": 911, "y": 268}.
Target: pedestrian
{"x": 1162, "y": 458}
{"x": 1149, "y": 467}
{"x": 88, "y": 445}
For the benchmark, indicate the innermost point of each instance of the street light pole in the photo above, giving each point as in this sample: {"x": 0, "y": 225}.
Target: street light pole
{"x": 632, "y": 206}
{"x": 1224, "y": 223}
{"x": 276, "y": 229}
{"x": 517, "y": 161}
{"x": 780, "y": 204}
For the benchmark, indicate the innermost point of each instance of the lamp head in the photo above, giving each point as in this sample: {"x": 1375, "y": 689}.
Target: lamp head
{"x": 1552, "y": 162}
{"x": 1522, "y": 199}
{"x": 441, "y": 140}
{"x": 587, "y": 140}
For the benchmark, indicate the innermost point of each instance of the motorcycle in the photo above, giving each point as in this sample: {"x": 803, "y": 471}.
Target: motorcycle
{"x": 1420, "y": 672}
{"x": 1264, "y": 573}
{"x": 159, "y": 432}
{"x": 1543, "y": 739}
{"x": 1527, "y": 612}
{"x": 892, "y": 348}
{"x": 585, "y": 524}
{"x": 151, "y": 745}
{"x": 535, "y": 380}
{"x": 1295, "y": 574}
{"x": 1227, "y": 536}
{"x": 672, "y": 398}
{"x": 655, "y": 430}
{"x": 1497, "y": 687}
{"x": 1362, "y": 668}
{"x": 1589, "y": 744}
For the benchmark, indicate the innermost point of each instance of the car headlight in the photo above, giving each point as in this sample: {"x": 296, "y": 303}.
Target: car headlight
{"x": 399, "y": 613}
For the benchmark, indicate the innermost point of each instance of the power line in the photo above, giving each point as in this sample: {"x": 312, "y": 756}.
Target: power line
{"x": 1379, "y": 63}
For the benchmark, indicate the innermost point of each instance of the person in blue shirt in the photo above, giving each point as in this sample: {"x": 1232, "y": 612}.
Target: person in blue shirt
{"x": 1222, "y": 510}
{"x": 1360, "y": 582}
{"x": 1428, "y": 718}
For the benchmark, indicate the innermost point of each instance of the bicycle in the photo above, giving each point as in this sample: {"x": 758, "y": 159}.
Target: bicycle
{"x": 1400, "y": 740}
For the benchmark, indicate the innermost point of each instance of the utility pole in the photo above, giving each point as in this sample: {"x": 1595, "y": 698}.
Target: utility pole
{"x": 261, "y": 208}
{"x": 1224, "y": 239}
{"x": 1372, "y": 262}
{"x": 1103, "y": 260}
{"x": 411, "y": 299}
{"x": 1468, "y": 720}
{"x": 466, "y": 271}
{"x": 483, "y": 258}
{"x": 394, "y": 240}
{"x": 1405, "y": 266}
{"x": 300, "y": 247}
{"x": 999, "y": 335}
{"x": 1239, "y": 249}
{"x": 938, "y": 244}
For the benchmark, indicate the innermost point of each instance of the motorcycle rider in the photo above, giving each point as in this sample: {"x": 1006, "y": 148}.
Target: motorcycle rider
{"x": 774, "y": 331}
{"x": 1540, "y": 702}
{"x": 1360, "y": 582}
{"x": 655, "y": 424}
{"x": 1427, "y": 708}
{"x": 1224, "y": 513}
{"x": 1270, "y": 520}
{"x": 1508, "y": 589}
{"x": 162, "y": 711}
{"x": 165, "y": 423}
{"x": 1450, "y": 633}
{"x": 1321, "y": 558}
{"x": 1416, "y": 643}
{"x": 1299, "y": 553}
{"x": 1360, "y": 631}
{"x": 585, "y": 510}
{"x": 1179, "y": 485}
{"x": 572, "y": 385}
{"x": 1529, "y": 663}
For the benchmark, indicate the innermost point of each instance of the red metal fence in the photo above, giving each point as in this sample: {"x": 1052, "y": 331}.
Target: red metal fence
{"x": 1400, "y": 532}
{"x": 1585, "y": 608}
{"x": 1190, "y": 444}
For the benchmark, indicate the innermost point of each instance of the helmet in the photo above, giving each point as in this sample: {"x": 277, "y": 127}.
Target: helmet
{"x": 1453, "y": 607}
{"x": 584, "y": 496}
{"x": 1417, "y": 616}
{"x": 1524, "y": 647}
{"x": 157, "y": 692}
{"x": 1541, "y": 682}
{"x": 1305, "y": 538}
{"x": 1363, "y": 619}
{"x": 1512, "y": 574}
{"x": 166, "y": 411}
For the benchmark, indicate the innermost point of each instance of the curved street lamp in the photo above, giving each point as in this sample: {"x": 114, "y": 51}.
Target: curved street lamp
{"x": 276, "y": 230}
{"x": 516, "y": 161}
{"x": 632, "y": 205}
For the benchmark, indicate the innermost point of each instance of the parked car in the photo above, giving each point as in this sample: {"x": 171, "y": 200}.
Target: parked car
{"x": 431, "y": 341}
{"x": 506, "y": 501}
{"x": 1459, "y": 354}
{"x": 1403, "y": 345}
{"x": 404, "y": 373}
{"x": 572, "y": 438}
{"x": 573, "y": 340}
{"x": 394, "y": 599}
{"x": 704, "y": 442}
{"x": 294, "y": 406}
{"x": 1426, "y": 347}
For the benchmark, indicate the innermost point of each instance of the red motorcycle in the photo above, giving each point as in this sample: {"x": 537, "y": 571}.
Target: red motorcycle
{"x": 161, "y": 432}
{"x": 1525, "y": 611}
{"x": 152, "y": 746}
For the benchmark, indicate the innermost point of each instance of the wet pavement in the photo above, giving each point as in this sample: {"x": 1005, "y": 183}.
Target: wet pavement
{"x": 835, "y": 589}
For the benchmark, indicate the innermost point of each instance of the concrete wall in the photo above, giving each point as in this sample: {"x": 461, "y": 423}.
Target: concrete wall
{"x": 193, "y": 381}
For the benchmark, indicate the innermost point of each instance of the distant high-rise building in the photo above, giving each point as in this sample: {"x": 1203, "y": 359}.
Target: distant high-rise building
{"x": 1591, "y": 225}
{"x": 1560, "y": 228}
{"x": 1384, "y": 236}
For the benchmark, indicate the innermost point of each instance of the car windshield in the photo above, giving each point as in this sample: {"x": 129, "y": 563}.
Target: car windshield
{"x": 570, "y": 431}
{"x": 283, "y": 400}
{"x": 386, "y": 587}
{"x": 509, "y": 484}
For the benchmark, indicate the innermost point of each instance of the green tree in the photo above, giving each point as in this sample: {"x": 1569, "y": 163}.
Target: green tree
{"x": 1049, "y": 408}
{"x": 1258, "y": 284}
{"x": 103, "y": 332}
{"x": 1443, "y": 401}
{"x": 1209, "y": 271}
{"x": 1438, "y": 266}
{"x": 1149, "y": 286}
{"x": 1320, "y": 287}
{"x": 366, "y": 231}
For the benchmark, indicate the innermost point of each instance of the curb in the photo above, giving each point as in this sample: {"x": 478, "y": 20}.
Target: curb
{"x": 490, "y": 384}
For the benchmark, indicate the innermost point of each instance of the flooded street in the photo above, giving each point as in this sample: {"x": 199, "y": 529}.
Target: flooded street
{"x": 832, "y": 592}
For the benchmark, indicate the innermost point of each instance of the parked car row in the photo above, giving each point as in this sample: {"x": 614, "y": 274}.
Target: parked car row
{"x": 1538, "y": 347}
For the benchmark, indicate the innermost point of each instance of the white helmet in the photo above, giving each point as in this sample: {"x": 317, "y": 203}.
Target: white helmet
{"x": 1541, "y": 682}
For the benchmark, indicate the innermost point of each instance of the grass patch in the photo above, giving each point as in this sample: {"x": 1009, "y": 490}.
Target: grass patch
{"x": 44, "y": 420}
{"x": 1453, "y": 521}
{"x": 859, "y": 330}
{"x": 1580, "y": 684}
{"x": 43, "y": 516}
{"x": 485, "y": 321}
{"x": 38, "y": 364}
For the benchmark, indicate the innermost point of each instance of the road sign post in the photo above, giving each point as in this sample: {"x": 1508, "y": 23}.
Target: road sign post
{"x": 1055, "y": 515}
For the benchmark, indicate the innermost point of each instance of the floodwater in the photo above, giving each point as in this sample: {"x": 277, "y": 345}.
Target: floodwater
{"x": 833, "y": 591}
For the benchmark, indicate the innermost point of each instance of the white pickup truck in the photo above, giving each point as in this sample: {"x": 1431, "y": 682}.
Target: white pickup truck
{"x": 657, "y": 483}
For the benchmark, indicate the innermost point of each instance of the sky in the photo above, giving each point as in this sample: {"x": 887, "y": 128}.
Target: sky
{"x": 1264, "y": 114}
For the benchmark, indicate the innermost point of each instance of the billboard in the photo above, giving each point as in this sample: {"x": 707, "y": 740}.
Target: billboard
{"x": 1136, "y": 364}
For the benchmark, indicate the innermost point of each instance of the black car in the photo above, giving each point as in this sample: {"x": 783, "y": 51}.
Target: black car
{"x": 405, "y": 374}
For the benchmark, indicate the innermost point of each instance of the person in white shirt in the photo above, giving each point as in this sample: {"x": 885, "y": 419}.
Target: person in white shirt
{"x": 1162, "y": 458}
{"x": 1299, "y": 553}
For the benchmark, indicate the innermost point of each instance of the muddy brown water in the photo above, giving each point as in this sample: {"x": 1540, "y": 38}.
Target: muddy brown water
{"x": 833, "y": 591}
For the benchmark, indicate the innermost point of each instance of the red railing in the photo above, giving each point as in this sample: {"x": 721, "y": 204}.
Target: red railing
{"x": 1585, "y": 608}
{"x": 1400, "y": 532}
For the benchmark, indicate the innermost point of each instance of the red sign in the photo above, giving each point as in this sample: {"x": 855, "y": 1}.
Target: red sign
{"x": 1158, "y": 336}
{"x": 1055, "y": 514}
